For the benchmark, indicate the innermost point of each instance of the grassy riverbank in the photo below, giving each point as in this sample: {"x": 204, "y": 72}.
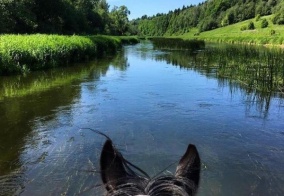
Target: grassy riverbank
{"x": 23, "y": 53}
{"x": 272, "y": 34}
{"x": 177, "y": 43}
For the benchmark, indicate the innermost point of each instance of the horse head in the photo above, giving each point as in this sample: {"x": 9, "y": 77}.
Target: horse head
{"x": 120, "y": 180}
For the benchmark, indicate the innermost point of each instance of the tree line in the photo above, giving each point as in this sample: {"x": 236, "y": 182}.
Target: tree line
{"x": 208, "y": 15}
{"x": 62, "y": 17}
{"x": 96, "y": 17}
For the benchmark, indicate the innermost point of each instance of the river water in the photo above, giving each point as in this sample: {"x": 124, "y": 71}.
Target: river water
{"x": 152, "y": 108}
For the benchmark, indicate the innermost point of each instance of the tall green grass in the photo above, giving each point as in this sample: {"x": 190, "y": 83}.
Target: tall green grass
{"x": 129, "y": 39}
{"x": 177, "y": 43}
{"x": 23, "y": 53}
{"x": 256, "y": 69}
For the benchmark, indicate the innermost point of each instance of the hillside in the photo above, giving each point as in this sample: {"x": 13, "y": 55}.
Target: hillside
{"x": 218, "y": 19}
{"x": 272, "y": 34}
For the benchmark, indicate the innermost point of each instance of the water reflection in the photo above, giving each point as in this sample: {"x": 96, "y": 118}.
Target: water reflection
{"x": 28, "y": 103}
{"x": 152, "y": 110}
{"x": 257, "y": 71}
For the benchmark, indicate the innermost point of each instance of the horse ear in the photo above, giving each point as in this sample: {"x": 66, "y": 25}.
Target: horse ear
{"x": 189, "y": 165}
{"x": 112, "y": 169}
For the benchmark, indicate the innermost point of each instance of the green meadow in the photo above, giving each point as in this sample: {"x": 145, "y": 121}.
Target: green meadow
{"x": 271, "y": 35}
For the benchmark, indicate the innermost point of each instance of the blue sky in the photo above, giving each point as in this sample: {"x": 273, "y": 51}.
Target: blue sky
{"x": 139, "y": 8}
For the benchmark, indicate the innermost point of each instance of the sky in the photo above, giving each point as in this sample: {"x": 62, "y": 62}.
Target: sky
{"x": 139, "y": 8}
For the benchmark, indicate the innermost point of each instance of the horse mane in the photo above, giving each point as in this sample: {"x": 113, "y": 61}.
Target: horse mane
{"x": 123, "y": 178}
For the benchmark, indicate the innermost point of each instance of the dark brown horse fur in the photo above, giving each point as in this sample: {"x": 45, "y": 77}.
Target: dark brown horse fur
{"x": 120, "y": 180}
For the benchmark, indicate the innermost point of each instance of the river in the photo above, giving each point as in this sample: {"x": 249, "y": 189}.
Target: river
{"x": 152, "y": 108}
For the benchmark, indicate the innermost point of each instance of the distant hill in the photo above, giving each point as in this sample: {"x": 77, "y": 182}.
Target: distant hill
{"x": 239, "y": 32}
{"x": 209, "y": 15}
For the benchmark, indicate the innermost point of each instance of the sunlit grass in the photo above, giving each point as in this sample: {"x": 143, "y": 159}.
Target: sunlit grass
{"x": 233, "y": 33}
{"x": 24, "y": 53}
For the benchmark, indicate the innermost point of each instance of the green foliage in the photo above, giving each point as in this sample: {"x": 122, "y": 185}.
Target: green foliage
{"x": 208, "y": 25}
{"x": 264, "y": 23}
{"x": 21, "y": 53}
{"x": 119, "y": 20}
{"x": 229, "y": 19}
{"x": 177, "y": 43}
{"x": 257, "y": 18}
{"x": 207, "y": 16}
{"x": 278, "y": 13}
{"x": 59, "y": 17}
{"x": 232, "y": 34}
{"x": 272, "y": 32}
{"x": 236, "y": 63}
{"x": 251, "y": 26}
{"x": 244, "y": 27}
{"x": 129, "y": 40}
{"x": 278, "y": 18}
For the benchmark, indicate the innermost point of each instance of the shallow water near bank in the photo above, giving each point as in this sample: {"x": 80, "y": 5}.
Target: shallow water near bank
{"x": 152, "y": 107}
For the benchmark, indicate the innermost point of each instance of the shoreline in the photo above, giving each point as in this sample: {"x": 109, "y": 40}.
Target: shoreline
{"x": 217, "y": 40}
{"x": 20, "y": 54}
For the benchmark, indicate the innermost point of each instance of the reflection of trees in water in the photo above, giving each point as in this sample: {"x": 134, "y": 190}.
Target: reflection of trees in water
{"x": 36, "y": 82}
{"x": 258, "y": 72}
{"x": 120, "y": 61}
{"x": 18, "y": 114}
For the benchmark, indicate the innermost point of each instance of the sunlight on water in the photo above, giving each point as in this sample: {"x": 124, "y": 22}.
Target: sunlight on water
{"x": 152, "y": 110}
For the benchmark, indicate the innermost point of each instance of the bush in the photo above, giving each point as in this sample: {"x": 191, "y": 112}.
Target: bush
{"x": 208, "y": 25}
{"x": 264, "y": 23}
{"x": 251, "y": 26}
{"x": 225, "y": 22}
{"x": 278, "y": 19}
{"x": 272, "y": 32}
{"x": 244, "y": 27}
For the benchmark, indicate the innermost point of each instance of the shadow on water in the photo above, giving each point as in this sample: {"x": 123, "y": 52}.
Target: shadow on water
{"x": 257, "y": 71}
{"x": 38, "y": 95}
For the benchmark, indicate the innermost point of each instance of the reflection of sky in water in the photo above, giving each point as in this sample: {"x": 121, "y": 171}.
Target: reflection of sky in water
{"x": 152, "y": 111}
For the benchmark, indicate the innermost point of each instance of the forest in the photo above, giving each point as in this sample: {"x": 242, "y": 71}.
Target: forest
{"x": 85, "y": 17}
{"x": 208, "y": 15}
{"x": 62, "y": 17}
